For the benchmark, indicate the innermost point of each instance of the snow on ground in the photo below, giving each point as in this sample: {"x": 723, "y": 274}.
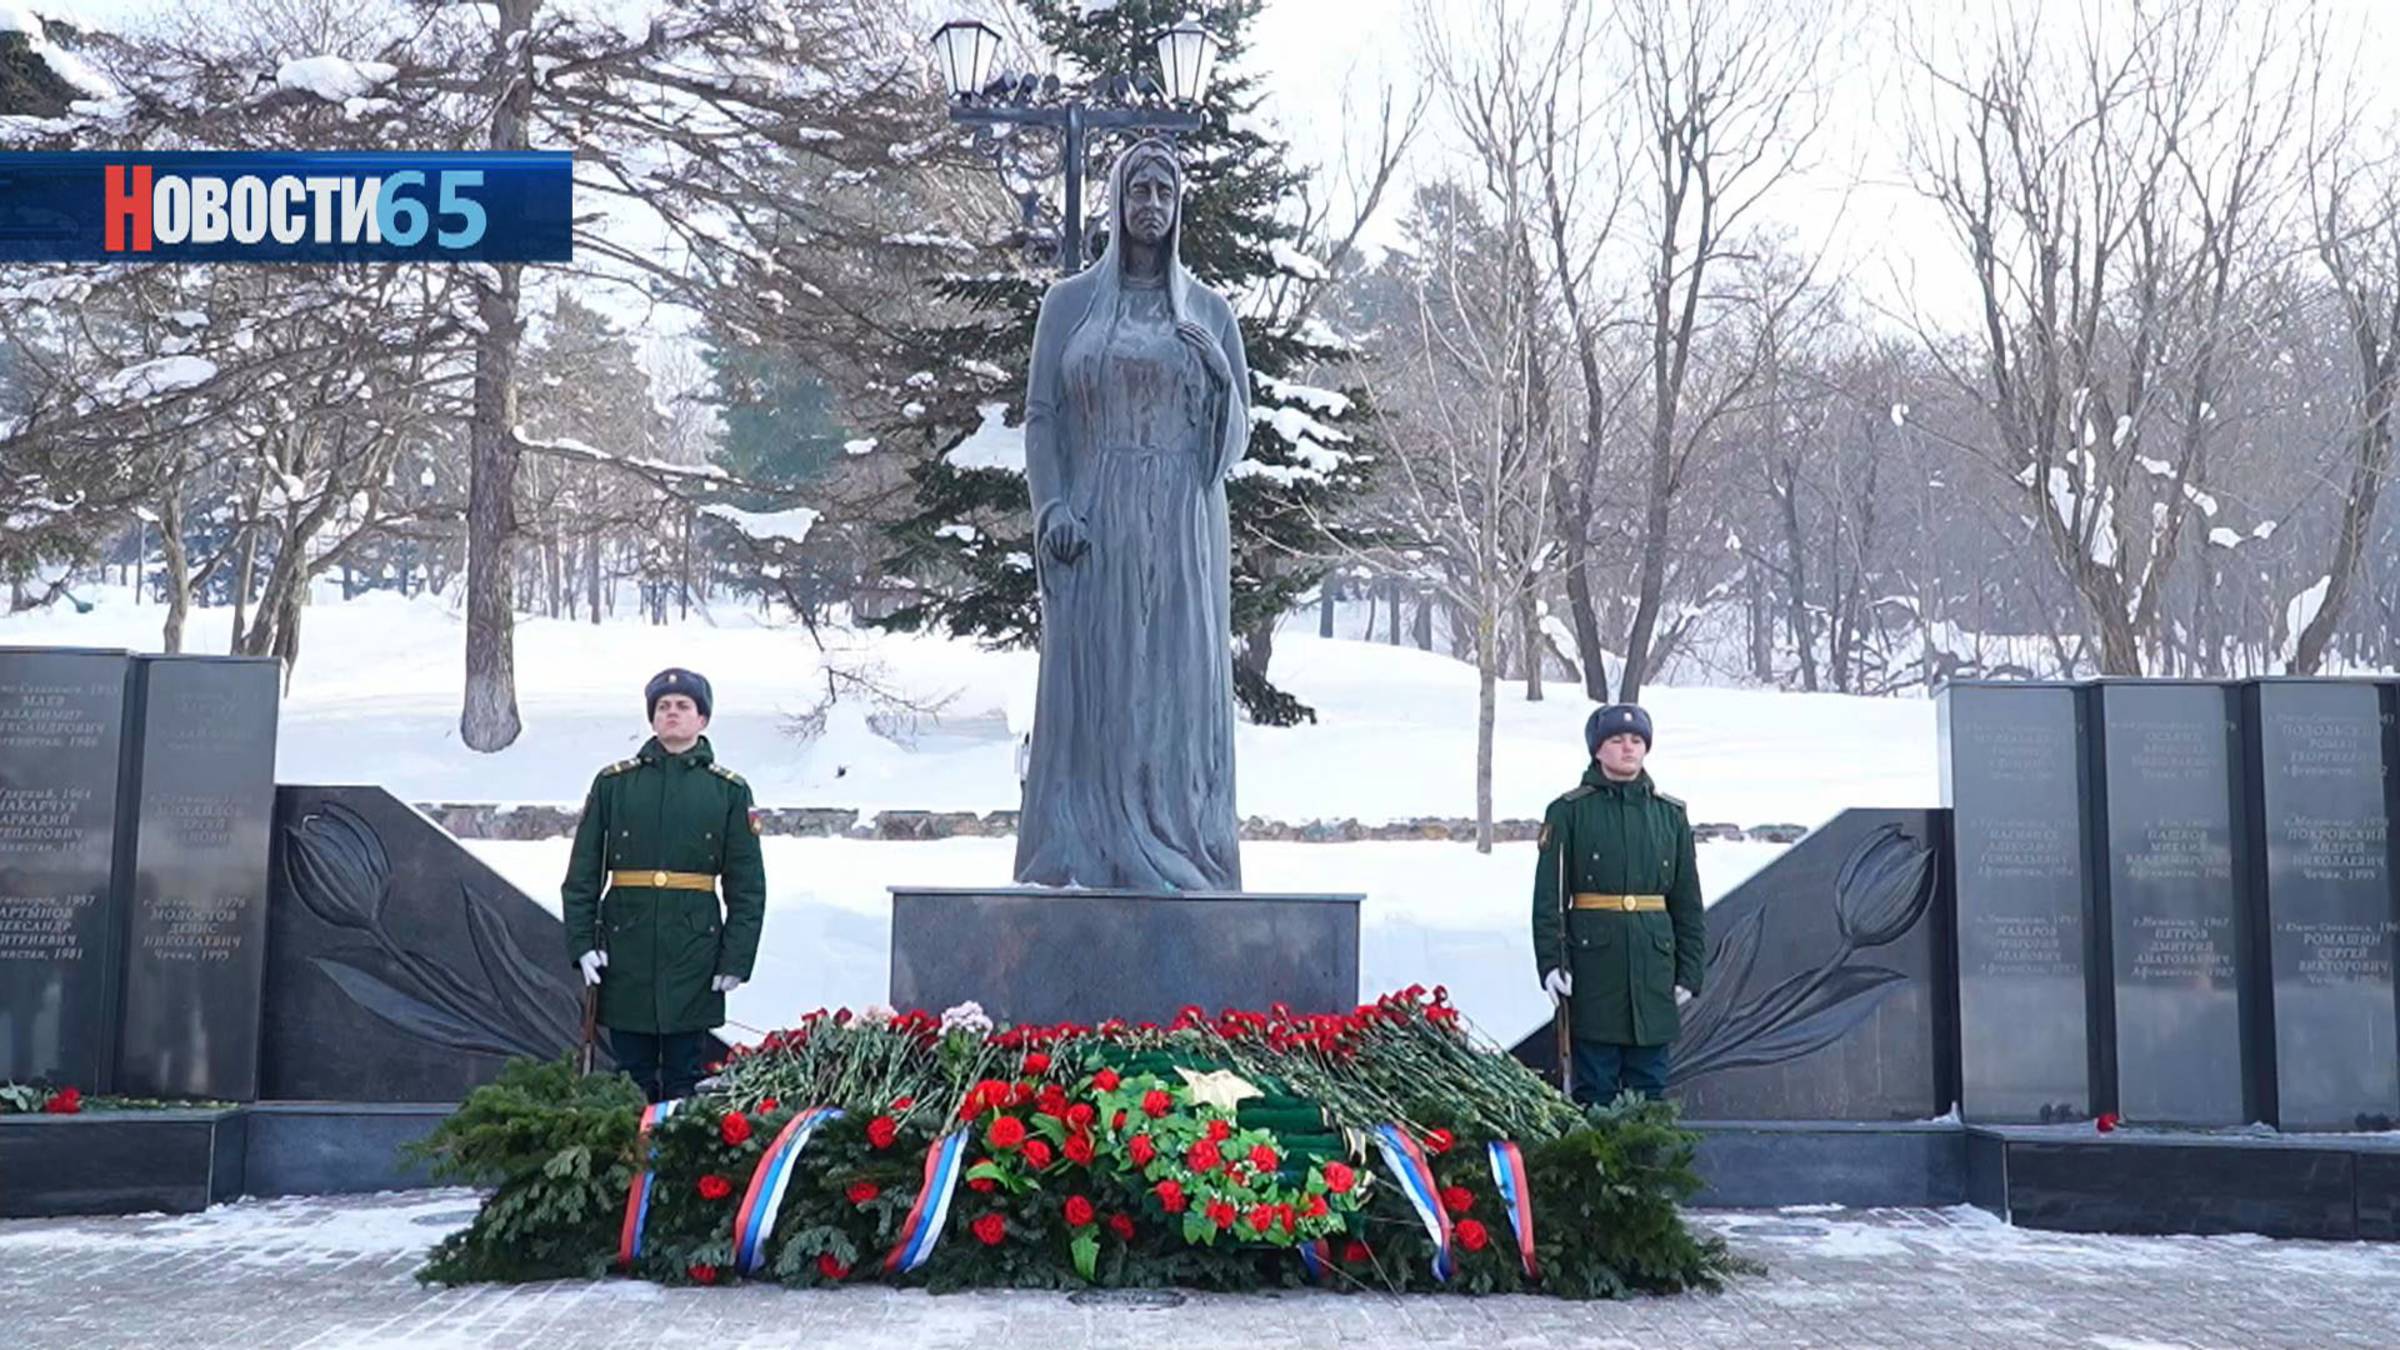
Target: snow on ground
{"x": 376, "y": 694}
{"x": 1435, "y": 913}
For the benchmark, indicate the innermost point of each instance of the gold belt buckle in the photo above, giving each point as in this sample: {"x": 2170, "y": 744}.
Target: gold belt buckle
{"x": 1628, "y": 903}
{"x": 659, "y": 879}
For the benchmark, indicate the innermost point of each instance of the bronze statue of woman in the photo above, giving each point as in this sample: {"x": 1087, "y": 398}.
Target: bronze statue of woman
{"x": 1136, "y": 409}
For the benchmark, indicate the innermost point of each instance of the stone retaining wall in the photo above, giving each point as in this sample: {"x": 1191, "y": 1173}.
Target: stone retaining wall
{"x": 471, "y": 820}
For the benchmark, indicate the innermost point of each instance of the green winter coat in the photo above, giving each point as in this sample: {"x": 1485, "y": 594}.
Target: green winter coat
{"x": 672, "y": 813}
{"x": 1620, "y": 839}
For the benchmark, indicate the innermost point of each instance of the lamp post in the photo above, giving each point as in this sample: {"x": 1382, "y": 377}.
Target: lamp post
{"x": 964, "y": 50}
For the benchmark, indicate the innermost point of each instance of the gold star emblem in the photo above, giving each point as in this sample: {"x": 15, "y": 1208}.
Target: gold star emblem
{"x": 1220, "y": 1088}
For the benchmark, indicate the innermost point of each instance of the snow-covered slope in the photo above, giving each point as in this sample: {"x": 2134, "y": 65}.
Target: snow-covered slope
{"x": 375, "y": 700}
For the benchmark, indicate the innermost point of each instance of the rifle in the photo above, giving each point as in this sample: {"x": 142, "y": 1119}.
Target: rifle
{"x": 591, "y": 1030}
{"x": 1561, "y": 1020}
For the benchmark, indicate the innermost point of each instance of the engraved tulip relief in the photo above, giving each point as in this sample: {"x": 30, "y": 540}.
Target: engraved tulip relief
{"x": 1881, "y": 892}
{"x": 341, "y": 873}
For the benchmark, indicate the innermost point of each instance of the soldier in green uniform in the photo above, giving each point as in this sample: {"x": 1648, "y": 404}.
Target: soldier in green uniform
{"x": 659, "y": 831}
{"x": 1618, "y": 934}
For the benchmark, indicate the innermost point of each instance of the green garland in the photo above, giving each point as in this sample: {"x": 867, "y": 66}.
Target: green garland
{"x": 1199, "y": 1155}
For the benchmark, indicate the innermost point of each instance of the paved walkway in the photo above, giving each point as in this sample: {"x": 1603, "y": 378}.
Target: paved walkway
{"x": 338, "y": 1272}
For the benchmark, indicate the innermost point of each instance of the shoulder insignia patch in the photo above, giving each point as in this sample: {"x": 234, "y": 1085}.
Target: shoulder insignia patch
{"x": 621, "y": 766}
{"x": 1543, "y": 840}
{"x": 755, "y": 827}
{"x": 727, "y": 774}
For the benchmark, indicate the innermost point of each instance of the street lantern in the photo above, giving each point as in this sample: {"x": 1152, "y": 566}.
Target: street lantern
{"x": 964, "y": 49}
{"x": 1187, "y": 56}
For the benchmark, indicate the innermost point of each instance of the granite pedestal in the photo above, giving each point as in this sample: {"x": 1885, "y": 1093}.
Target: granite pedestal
{"x": 1043, "y": 955}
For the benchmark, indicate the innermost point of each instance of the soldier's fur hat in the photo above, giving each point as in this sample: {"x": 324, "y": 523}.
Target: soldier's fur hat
{"x": 1614, "y": 720}
{"x": 677, "y": 680}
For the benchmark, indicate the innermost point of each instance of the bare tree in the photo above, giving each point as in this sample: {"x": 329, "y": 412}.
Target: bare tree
{"x": 2115, "y": 184}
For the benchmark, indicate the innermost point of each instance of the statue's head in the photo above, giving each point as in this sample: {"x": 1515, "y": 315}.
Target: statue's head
{"x": 1149, "y": 192}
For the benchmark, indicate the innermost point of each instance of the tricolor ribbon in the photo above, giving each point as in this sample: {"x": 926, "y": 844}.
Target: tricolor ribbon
{"x": 945, "y": 1163}
{"x": 1314, "y": 1255}
{"x": 754, "y": 1222}
{"x": 1508, "y": 1174}
{"x": 1415, "y": 1175}
{"x": 637, "y": 1196}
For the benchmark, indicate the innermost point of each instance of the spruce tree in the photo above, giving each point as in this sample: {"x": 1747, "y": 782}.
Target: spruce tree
{"x": 967, "y": 547}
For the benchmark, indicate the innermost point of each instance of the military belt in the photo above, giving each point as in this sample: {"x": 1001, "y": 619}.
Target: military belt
{"x": 1629, "y": 904}
{"x": 666, "y": 881}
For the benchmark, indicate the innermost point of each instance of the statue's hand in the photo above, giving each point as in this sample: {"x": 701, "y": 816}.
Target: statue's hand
{"x": 1064, "y": 539}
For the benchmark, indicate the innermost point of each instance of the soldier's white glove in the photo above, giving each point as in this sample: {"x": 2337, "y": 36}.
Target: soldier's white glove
{"x": 1560, "y": 984}
{"x": 1682, "y": 996}
{"x": 726, "y": 984}
{"x": 591, "y": 963}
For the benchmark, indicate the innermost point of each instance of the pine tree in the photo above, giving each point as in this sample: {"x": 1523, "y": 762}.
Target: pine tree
{"x": 967, "y": 548}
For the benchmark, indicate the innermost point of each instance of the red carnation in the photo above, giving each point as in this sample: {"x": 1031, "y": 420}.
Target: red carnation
{"x": 734, "y": 1129}
{"x": 67, "y": 1101}
{"x": 1141, "y": 1150}
{"x": 1106, "y": 1080}
{"x": 832, "y": 1269}
{"x": 1037, "y": 1154}
{"x": 1470, "y": 1235}
{"x": 1221, "y": 1214}
{"x": 1170, "y": 1196}
{"x": 1079, "y": 1149}
{"x": 767, "y": 1107}
{"x": 1202, "y": 1156}
{"x": 714, "y": 1187}
{"x": 1262, "y": 1218}
{"x": 1237, "y": 1174}
{"x": 1458, "y": 1199}
{"x": 1007, "y": 1132}
{"x": 1051, "y": 1100}
{"x": 1439, "y": 1141}
{"x": 983, "y": 1184}
{"x": 1354, "y": 1251}
{"x": 1122, "y": 1226}
{"x": 1119, "y": 1122}
{"x": 1020, "y": 1093}
{"x": 1285, "y": 1217}
{"x": 861, "y": 1192}
{"x": 1037, "y": 1062}
{"x": 903, "y": 1103}
{"x": 989, "y": 1230}
{"x": 1219, "y": 1131}
{"x": 701, "y": 1274}
{"x": 1155, "y": 1103}
{"x": 1339, "y": 1178}
{"x": 1079, "y": 1116}
{"x": 1079, "y": 1211}
{"x": 2107, "y": 1122}
{"x": 1264, "y": 1159}
{"x": 1317, "y": 1208}
{"x": 882, "y": 1130}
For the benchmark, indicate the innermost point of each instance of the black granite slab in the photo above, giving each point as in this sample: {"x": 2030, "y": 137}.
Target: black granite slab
{"x": 62, "y": 716}
{"x": 2013, "y": 775}
{"x": 198, "y": 796}
{"x": 2322, "y": 886}
{"x": 2288, "y": 1187}
{"x": 2378, "y": 1176}
{"x": 2174, "y": 1026}
{"x": 1760, "y": 1164}
{"x": 1035, "y": 954}
{"x": 336, "y": 1148}
{"x": 403, "y": 969}
{"x": 1828, "y": 991}
{"x": 176, "y": 1162}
